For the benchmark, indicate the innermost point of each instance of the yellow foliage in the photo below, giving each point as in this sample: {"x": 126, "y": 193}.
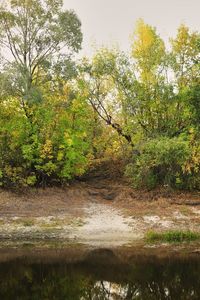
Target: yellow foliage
{"x": 192, "y": 165}
{"x": 60, "y": 155}
{"x": 46, "y": 151}
{"x": 148, "y": 49}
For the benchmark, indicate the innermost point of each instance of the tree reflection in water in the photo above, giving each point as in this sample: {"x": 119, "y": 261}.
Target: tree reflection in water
{"x": 101, "y": 275}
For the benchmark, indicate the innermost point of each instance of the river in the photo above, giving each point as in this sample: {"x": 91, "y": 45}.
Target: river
{"x": 97, "y": 274}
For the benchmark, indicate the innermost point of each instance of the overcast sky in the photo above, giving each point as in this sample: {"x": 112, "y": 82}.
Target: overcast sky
{"x": 112, "y": 21}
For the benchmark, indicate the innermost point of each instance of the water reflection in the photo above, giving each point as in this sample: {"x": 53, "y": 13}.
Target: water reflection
{"x": 101, "y": 275}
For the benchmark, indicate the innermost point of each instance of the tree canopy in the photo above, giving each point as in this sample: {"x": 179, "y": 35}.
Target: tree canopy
{"x": 60, "y": 117}
{"x": 41, "y": 37}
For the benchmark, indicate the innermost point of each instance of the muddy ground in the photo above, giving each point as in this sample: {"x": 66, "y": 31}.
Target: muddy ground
{"x": 99, "y": 212}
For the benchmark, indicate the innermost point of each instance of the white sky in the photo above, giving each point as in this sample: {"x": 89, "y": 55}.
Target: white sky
{"x": 112, "y": 21}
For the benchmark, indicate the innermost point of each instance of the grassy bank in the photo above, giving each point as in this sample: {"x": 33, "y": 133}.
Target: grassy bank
{"x": 172, "y": 236}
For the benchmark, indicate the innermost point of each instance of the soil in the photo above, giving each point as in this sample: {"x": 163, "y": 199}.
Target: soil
{"x": 98, "y": 212}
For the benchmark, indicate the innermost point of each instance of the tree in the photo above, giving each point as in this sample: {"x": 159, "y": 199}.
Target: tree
{"x": 99, "y": 85}
{"x": 186, "y": 57}
{"x": 39, "y": 35}
{"x": 148, "y": 50}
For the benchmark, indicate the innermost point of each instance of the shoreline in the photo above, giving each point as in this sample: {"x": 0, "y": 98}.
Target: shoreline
{"x": 47, "y": 252}
{"x": 103, "y": 213}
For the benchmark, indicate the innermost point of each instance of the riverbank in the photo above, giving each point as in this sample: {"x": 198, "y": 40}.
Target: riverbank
{"x": 99, "y": 213}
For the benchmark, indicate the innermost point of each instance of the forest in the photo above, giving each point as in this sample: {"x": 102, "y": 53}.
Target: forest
{"x": 62, "y": 116}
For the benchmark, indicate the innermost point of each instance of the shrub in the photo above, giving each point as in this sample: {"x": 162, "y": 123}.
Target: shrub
{"x": 50, "y": 145}
{"x": 161, "y": 162}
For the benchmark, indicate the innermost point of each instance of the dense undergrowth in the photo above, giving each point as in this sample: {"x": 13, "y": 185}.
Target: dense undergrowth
{"x": 60, "y": 117}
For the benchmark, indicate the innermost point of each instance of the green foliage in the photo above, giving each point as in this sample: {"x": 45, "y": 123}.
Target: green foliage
{"x": 45, "y": 131}
{"x": 166, "y": 112}
{"x": 193, "y": 99}
{"x": 59, "y": 118}
{"x": 172, "y": 236}
{"x": 185, "y": 56}
{"x": 34, "y": 33}
{"x": 161, "y": 162}
{"x": 53, "y": 146}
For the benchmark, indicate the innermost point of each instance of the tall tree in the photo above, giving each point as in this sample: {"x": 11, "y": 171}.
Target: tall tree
{"x": 39, "y": 35}
{"x": 186, "y": 57}
{"x": 148, "y": 50}
{"x": 154, "y": 90}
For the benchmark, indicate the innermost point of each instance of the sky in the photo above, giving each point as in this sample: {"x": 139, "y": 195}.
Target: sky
{"x": 110, "y": 22}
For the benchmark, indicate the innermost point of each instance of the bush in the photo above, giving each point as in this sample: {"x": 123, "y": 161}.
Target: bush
{"x": 161, "y": 162}
{"x": 50, "y": 144}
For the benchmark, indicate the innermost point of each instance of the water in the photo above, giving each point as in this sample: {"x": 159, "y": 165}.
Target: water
{"x": 98, "y": 274}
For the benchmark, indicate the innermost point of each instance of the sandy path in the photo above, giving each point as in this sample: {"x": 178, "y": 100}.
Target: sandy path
{"x": 105, "y": 224}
